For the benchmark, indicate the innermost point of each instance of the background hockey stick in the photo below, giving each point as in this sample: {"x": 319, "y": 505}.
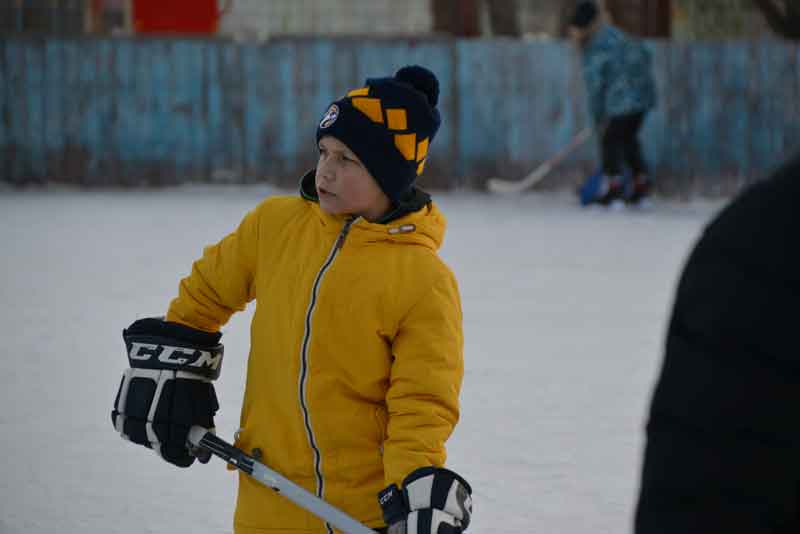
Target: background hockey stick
{"x": 497, "y": 185}
{"x": 200, "y": 437}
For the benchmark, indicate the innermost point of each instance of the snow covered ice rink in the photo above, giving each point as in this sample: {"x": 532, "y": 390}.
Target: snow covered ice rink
{"x": 564, "y": 315}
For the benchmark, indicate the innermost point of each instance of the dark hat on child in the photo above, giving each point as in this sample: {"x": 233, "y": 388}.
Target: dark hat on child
{"x": 389, "y": 124}
{"x": 584, "y": 15}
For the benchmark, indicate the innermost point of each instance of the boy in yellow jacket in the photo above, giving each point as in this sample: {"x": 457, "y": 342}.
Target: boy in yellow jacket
{"x": 356, "y": 355}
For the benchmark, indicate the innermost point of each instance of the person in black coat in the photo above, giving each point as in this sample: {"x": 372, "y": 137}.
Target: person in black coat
{"x": 723, "y": 436}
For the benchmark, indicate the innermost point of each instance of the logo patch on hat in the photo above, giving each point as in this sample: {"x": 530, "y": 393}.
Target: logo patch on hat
{"x": 330, "y": 117}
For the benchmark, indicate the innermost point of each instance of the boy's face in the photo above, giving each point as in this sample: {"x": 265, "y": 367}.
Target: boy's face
{"x": 344, "y": 185}
{"x": 579, "y": 36}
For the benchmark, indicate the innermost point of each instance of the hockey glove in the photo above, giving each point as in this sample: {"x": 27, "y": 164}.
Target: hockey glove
{"x": 433, "y": 501}
{"x": 168, "y": 387}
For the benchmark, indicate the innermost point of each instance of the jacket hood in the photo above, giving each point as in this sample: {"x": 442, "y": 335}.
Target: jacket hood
{"x": 415, "y": 220}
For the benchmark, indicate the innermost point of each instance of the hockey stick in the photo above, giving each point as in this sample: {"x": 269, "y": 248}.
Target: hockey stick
{"x": 497, "y": 185}
{"x": 200, "y": 437}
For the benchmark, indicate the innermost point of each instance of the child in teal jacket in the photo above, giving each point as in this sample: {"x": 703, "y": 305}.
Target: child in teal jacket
{"x": 621, "y": 90}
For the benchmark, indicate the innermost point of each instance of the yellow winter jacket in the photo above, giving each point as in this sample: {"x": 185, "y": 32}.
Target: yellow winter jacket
{"x": 355, "y": 363}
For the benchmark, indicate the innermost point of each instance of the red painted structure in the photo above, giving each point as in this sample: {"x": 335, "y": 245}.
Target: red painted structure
{"x": 175, "y": 16}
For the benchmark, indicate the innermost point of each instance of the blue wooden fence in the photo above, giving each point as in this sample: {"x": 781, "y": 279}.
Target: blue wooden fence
{"x": 132, "y": 111}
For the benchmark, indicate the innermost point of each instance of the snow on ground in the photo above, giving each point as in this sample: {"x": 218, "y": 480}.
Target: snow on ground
{"x": 564, "y": 311}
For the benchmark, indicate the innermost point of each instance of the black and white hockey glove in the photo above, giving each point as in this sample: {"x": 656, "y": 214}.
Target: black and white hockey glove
{"x": 168, "y": 387}
{"x": 433, "y": 501}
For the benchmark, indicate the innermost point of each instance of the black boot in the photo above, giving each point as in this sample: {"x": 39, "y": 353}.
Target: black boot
{"x": 640, "y": 189}
{"x": 611, "y": 191}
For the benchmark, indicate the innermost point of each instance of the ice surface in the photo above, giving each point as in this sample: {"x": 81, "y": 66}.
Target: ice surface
{"x": 564, "y": 314}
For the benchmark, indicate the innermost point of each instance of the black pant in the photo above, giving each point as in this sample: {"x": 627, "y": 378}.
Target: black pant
{"x": 621, "y": 145}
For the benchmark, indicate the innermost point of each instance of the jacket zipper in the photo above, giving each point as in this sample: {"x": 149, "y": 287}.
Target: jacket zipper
{"x": 337, "y": 246}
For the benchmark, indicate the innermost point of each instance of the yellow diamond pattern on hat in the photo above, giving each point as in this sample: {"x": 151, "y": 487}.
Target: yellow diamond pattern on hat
{"x": 397, "y": 119}
{"x": 406, "y": 144}
{"x": 422, "y": 149}
{"x": 363, "y": 91}
{"x": 371, "y": 107}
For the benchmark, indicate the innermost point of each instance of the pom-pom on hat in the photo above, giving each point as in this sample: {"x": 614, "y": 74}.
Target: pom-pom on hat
{"x": 584, "y": 15}
{"x": 389, "y": 124}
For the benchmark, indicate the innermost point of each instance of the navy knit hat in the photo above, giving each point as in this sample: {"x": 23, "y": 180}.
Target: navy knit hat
{"x": 389, "y": 124}
{"x": 584, "y": 14}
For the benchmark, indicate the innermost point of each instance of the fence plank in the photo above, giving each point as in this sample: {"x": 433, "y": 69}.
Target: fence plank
{"x": 5, "y": 113}
{"x": 17, "y": 150}
{"x": 34, "y": 74}
{"x": 54, "y": 126}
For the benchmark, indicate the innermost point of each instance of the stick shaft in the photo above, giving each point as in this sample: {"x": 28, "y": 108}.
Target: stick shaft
{"x": 200, "y": 437}
{"x": 506, "y": 186}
